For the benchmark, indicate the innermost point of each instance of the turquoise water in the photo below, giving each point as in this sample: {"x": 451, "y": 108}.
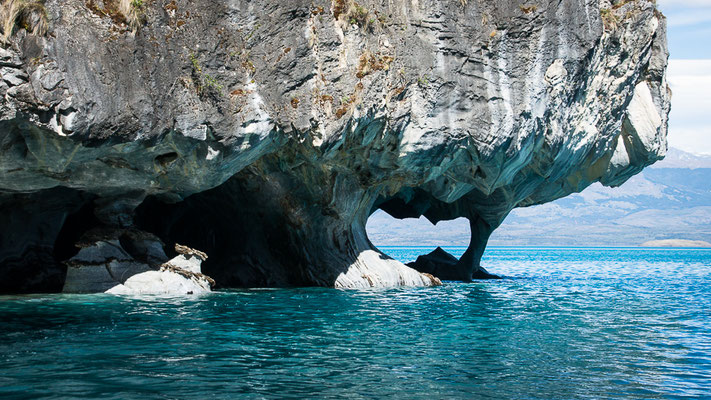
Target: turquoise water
{"x": 566, "y": 324}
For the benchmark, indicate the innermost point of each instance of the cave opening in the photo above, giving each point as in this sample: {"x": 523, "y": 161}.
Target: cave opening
{"x": 257, "y": 232}
{"x": 233, "y": 233}
{"x": 75, "y": 225}
{"x": 446, "y": 245}
{"x": 40, "y": 233}
{"x": 407, "y": 238}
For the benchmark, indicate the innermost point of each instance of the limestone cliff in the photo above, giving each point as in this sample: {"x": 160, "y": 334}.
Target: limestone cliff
{"x": 266, "y": 132}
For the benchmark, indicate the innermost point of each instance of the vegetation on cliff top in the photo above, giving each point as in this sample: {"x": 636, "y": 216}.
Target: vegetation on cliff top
{"x": 122, "y": 12}
{"x": 31, "y": 15}
{"x": 26, "y": 14}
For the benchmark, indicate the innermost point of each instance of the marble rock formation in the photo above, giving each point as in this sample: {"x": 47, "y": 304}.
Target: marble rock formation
{"x": 115, "y": 266}
{"x": 265, "y": 132}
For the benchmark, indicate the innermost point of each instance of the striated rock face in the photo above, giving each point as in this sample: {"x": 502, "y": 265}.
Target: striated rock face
{"x": 266, "y": 132}
{"x": 130, "y": 265}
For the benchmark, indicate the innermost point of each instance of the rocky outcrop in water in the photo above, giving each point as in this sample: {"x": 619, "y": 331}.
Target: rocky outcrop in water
{"x": 442, "y": 264}
{"x": 266, "y": 132}
{"x": 134, "y": 264}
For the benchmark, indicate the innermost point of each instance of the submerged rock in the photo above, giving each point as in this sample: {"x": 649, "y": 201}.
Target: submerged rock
{"x": 266, "y": 132}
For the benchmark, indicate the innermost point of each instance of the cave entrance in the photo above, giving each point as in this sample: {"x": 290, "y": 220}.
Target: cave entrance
{"x": 407, "y": 238}
{"x": 447, "y": 249}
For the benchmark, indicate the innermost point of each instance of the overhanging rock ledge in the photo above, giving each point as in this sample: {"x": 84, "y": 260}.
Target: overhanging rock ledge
{"x": 266, "y": 132}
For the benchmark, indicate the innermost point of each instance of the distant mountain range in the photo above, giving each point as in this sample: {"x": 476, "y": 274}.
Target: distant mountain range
{"x": 670, "y": 200}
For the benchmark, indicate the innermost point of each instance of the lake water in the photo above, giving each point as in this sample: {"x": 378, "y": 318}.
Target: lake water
{"x": 565, "y": 324}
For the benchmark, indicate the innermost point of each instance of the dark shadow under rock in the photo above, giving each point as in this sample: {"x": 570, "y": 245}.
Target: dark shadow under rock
{"x": 442, "y": 265}
{"x": 38, "y": 232}
{"x": 274, "y": 226}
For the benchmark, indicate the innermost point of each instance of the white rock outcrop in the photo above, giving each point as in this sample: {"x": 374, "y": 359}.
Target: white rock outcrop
{"x": 105, "y": 267}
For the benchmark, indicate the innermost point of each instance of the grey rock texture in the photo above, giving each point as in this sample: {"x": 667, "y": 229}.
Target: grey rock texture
{"x": 266, "y": 132}
{"x": 106, "y": 265}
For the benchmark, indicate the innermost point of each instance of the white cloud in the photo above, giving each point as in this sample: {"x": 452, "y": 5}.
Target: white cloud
{"x": 681, "y": 68}
{"x": 690, "y": 118}
{"x": 682, "y": 19}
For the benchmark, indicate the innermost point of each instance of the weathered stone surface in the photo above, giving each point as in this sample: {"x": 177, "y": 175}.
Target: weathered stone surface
{"x": 106, "y": 266}
{"x": 266, "y": 132}
{"x": 160, "y": 282}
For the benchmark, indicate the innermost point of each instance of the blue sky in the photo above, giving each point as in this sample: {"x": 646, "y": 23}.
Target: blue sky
{"x": 689, "y": 28}
{"x": 689, "y": 74}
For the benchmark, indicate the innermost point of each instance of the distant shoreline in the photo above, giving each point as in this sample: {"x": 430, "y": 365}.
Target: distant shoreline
{"x": 677, "y": 243}
{"x": 630, "y": 247}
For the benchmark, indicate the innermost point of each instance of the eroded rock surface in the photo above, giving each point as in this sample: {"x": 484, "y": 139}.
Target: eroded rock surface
{"x": 106, "y": 265}
{"x": 266, "y": 132}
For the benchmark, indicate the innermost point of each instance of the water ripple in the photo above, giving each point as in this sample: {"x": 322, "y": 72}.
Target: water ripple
{"x": 567, "y": 324}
